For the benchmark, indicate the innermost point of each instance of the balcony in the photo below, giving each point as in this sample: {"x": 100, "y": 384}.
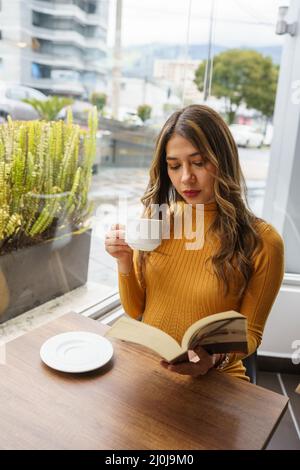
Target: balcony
{"x": 56, "y": 61}
{"x": 57, "y": 86}
{"x": 68, "y": 37}
{"x": 70, "y": 11}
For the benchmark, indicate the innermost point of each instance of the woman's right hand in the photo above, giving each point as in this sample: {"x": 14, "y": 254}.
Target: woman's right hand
{"x": 116, "y": 246}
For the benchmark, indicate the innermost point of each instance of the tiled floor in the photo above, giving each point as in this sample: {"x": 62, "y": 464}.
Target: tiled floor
{"x": 287, "y": 435}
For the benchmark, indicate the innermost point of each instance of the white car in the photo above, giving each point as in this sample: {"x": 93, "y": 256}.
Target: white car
{"x": 130, "y": 118}
{"x": 11, "y": 96}
{"x": 246, "y": 136}
{"x": 11, "y": 103}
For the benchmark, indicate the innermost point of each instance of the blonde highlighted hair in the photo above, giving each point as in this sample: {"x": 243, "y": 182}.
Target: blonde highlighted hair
{"x": 235, "y": 224}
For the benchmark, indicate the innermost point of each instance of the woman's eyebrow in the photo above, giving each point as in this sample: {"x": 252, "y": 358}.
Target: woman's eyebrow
{"x": 194, "y": 154}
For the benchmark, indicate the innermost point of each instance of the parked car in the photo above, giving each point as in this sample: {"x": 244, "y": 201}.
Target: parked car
{"x": 130, "y": 118}
{"x": 11, "y": 103}
{"x": 246, "y": 136}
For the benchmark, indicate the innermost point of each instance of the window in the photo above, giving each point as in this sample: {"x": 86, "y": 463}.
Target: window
{"x": 251, "y": 125}
{"x": 160, "y": 71}
{"x": 152, "y": 67}
{"x": 40, "y": 71}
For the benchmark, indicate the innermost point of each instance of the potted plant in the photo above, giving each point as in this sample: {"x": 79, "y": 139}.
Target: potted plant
{"x": 45, "y": 174}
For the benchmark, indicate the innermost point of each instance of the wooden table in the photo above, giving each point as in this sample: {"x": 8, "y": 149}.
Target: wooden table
{"x": 131, "y": 403}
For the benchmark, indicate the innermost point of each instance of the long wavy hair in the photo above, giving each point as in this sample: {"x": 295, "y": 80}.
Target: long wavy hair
{"x": 235, "y": 225}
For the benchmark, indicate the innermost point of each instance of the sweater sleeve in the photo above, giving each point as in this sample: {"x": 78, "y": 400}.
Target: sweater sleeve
{"x": 262, "y": 288}
{"x": 131, "y": 292}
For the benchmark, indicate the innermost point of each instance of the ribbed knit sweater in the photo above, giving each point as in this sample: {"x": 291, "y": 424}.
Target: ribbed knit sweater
{"x": 181, "y": 287}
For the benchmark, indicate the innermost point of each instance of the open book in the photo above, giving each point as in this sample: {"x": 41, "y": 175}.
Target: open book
{"x": 219, "y": 333}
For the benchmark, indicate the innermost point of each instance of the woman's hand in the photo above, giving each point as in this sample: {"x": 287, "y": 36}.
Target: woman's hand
{"x": 116, "y": 246}
{"x": 200, "y": 362}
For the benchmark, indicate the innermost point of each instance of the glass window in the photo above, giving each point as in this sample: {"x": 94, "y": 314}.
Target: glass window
{"x": 146, "y": 65}
{"x": 238, "y": 92}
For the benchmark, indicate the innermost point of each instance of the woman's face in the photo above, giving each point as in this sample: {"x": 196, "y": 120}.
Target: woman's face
{"x": 191, "y": 177}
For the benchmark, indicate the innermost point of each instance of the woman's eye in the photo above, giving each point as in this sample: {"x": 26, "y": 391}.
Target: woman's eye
{"x": 199, "y": 163}
{"x": 174, "y": 167}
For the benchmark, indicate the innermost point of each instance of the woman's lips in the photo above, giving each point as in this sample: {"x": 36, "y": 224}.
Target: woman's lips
{"x": 191, "y": 193}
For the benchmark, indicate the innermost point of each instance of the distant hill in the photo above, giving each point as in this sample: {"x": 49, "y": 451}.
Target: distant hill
{"x": 138, "y": 60}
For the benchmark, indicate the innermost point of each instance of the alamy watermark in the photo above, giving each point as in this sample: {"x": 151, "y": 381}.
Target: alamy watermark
{"x": 296, "y": 353}
{"x": 187, "y": 221}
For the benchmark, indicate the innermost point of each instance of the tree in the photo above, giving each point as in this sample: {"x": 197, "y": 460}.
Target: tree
{"x": 99, "y": 100}
{"x": 261, "y": 96}
{"x": 242, "y": 76}
{"x": 144, "y": 112}
{"x": 49, "y": 109}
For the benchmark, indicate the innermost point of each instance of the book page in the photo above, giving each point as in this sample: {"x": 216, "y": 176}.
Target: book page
{"x": 138, "y": 332}
{"x": 212, "y": 323}
{"x": 226, "y": 336}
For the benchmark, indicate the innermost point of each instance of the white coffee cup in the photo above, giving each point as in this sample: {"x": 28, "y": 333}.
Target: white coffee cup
{"x": 143, "y": 234}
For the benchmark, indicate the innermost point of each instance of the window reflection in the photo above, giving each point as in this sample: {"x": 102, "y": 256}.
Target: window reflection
{"x": 146, "y": 60}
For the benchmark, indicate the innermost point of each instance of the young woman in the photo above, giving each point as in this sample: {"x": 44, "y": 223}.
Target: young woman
{"x": 241, "y": 263}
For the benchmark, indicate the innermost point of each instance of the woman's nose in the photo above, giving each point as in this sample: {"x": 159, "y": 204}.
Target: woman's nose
{"x": 187, "y": 175}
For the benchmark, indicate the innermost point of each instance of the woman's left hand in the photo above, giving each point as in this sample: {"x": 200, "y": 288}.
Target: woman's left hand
{"x": 200, "y": 362}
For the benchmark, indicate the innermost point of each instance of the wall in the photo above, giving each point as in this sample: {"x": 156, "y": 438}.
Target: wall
{"x": 283, "y": 326}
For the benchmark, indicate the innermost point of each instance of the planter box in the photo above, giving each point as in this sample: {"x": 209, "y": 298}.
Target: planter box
{"x": 42, "y": 272}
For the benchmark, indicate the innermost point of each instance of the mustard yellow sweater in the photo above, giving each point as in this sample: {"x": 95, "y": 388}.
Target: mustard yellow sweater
{"x": 181, "y": 288}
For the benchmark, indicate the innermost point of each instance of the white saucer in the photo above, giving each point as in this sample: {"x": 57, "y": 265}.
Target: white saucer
{"x": 76, "y": 351}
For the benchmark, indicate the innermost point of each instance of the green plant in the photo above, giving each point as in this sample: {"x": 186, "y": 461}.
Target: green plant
{"x": 144, "y": 112}
{"x": 98, "y": 100}
{"x": 45, "y": 174}
{"x": 49, "y": 109}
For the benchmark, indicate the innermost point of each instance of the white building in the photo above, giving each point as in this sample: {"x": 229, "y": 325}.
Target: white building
{"x": 135, "y": 92}
{"x": 179, "y": 73}
{"x": 56, "y": 46}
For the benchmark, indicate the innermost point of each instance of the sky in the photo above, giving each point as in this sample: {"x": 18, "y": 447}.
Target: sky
{"x": 237, "y": 22}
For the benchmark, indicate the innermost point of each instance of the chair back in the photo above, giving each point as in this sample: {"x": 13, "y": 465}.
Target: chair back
{"x": 250, "y": 363}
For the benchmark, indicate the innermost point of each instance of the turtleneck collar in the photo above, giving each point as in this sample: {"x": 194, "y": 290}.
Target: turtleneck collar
{"x": 209, "y": 207}
{"x": 206, "y": 213}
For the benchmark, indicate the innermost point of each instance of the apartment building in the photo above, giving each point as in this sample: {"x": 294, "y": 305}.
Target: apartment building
{"x": 56, "y": 46}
